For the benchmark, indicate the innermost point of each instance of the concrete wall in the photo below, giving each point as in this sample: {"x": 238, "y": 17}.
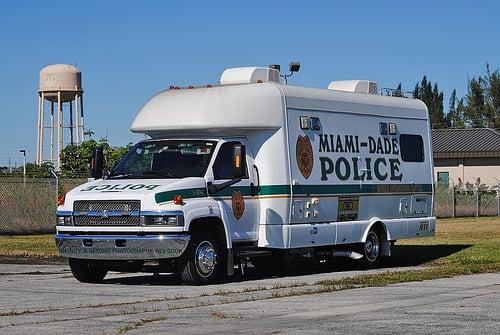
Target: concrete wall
{"x": 469, "y": 169}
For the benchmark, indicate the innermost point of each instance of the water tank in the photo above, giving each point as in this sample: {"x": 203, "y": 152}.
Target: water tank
{"x": 63, "y": 78}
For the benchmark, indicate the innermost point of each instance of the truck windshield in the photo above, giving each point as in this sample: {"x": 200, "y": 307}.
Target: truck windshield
{"x": 165, "y": 159}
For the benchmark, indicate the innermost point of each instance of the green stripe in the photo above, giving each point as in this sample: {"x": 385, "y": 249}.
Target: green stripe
{"x": 245, "y": 191}
{"x": 298, "y": 190}
{"x": 274, "y": 189}
{"x": 186, "y": 193}
{"x": 264, "y": 190}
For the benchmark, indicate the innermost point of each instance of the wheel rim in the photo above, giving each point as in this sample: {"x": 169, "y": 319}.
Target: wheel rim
{"x": 372, "y": 246}
{"x": 205, "y": 259}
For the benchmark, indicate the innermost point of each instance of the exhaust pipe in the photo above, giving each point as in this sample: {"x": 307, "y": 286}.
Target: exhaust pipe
{"x": 347, "y": 253}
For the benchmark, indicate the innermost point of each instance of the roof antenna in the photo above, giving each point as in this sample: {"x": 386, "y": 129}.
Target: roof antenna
{"x": 292, "y": 67}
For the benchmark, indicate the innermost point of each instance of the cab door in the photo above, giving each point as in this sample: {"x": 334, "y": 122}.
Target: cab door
{"x": 238, "y": 202}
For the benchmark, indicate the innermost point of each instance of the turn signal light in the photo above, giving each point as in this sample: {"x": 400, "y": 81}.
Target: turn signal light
{"x": 60, "y": 199}
{"x": 178, "y": 199}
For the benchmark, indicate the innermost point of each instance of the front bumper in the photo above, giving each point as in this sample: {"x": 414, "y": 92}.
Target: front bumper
{"x": 121, "y": 247}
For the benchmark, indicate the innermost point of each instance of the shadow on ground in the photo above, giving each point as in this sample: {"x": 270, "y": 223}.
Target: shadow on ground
{"x": 402, "y": 256}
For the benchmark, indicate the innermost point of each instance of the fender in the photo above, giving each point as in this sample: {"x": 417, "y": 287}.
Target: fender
{"x": 210, "y": 210}
{"x": 386, "y": 246}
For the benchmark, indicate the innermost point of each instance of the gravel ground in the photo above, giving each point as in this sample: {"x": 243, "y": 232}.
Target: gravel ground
{"x": 45, "y": 299}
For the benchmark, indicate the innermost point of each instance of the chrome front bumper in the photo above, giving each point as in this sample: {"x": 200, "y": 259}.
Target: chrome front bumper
{"x": 121, "y": 247}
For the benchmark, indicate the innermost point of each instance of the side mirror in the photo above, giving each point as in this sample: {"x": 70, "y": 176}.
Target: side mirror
{"x": 239, "y": 161}
{"x": 97, "y": 163}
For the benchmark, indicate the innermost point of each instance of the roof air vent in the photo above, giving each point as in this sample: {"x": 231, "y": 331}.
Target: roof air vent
{"x": 356, "y": 86}
{"x": 249, "y": 75}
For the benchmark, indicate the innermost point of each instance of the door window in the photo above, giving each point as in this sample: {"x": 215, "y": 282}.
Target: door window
{"x": 223, "y": 165}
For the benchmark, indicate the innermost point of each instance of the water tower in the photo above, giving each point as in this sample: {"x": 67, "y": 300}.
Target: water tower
{"x": 60, "y": 86}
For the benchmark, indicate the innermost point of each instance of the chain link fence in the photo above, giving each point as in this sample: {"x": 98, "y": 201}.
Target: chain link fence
{"x": 453, "y": 202}
{"x": 28, "y": 207}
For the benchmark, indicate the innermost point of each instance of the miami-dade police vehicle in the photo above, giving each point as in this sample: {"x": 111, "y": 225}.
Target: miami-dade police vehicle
{"x": 257, "y": 170}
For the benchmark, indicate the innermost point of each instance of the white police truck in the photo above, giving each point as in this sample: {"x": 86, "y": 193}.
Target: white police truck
{"x": 253, "y": 169}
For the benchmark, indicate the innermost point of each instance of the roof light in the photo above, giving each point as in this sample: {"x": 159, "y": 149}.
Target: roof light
{"x": 294, "y": 66}
{"x": 61, "y": 199}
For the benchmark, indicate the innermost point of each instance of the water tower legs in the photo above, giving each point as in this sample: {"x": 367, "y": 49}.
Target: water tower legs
{"x": 82, "y": 118}
{"x": 77, "y": 127}
{"x": 52, "y": 128}
{"x": 71, "y": 137}
{"x": 60, "y": 120}
{"x": 39, "y": 138}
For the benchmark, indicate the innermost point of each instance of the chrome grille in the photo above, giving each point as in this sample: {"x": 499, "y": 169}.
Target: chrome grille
{"x": 106, "y": 221}
{"x": 106, "y": 213}
{"x": 107, "y": 205}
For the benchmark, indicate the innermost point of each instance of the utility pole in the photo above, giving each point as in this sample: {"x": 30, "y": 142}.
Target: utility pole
{"x": 10, "y": 167}
{"x": 24, "y": 166}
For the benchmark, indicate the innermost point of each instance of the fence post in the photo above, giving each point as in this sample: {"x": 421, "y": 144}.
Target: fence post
{"x": 57, "y": 184}
{"x": 452, "y": 199}
{"x": 498, "y": 198}
{"x": 477, "y": 202}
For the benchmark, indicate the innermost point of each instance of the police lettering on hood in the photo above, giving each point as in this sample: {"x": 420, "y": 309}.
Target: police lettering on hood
{"x": 382, "y": 164}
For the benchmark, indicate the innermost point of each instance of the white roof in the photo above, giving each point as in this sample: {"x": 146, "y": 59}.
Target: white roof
{"x": 228, "y": 109}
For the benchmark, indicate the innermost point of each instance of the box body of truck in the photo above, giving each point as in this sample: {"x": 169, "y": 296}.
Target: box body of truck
{"x": 343, "y": 173}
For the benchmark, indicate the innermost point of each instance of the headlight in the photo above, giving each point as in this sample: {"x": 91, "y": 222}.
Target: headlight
{"x": 64, "y": 221}
{"x": 164, "y": 220}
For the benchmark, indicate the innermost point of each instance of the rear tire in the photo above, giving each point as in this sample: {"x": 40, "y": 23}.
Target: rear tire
{"x": 204, "y": 260}
{"x": 372, "y": 250}
{"x": 87, "y": 271}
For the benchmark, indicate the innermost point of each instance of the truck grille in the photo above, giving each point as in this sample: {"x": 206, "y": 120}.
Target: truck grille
{"x": 109, "y": 205}
{"x": 108, "y": 221}
{"x": 107, "y": 213}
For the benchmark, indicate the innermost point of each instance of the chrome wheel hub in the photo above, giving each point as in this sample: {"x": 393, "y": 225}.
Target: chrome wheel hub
{"x": 205, "y": 259}
{"x": 372, "y": 246}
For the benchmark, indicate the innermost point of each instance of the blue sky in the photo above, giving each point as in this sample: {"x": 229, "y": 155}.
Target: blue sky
{"x": 128, "y": 50}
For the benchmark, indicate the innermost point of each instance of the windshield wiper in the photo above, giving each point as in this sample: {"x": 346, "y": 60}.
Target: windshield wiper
{"x": 147, "y": 174}
{"x": 157, "y": 174}
{"x": 123, "y": 175}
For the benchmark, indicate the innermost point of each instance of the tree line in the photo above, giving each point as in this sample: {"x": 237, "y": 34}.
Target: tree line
{"x": 75, "y": 161}
{"x": 479, "y": 108}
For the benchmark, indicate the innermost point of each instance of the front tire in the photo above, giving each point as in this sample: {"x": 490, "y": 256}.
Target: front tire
{"x": 203, "y": 261}
{"x": 372, "y": 250}
{"x": 87, "y": 271}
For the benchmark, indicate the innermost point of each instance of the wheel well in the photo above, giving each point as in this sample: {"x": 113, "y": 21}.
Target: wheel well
{"x": 212, "y": 225}
{"x": 381, "y": 231}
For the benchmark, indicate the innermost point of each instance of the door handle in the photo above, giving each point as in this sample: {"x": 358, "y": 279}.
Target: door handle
{"x": 254, "y": 190}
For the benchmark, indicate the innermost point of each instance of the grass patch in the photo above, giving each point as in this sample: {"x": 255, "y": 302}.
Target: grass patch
{"x": 28, "y": 245}
{"x": 218, "y": 315}
{"x": 140, "y": 323}
{"x": 461, "y": 247}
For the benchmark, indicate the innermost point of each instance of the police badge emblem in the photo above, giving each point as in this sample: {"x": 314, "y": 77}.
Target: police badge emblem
{"x": 304, "y": 155}
{"x": 238, "y": 204}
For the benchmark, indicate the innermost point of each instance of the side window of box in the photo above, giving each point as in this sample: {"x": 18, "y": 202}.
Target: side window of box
{"x": 412, "y": 148}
